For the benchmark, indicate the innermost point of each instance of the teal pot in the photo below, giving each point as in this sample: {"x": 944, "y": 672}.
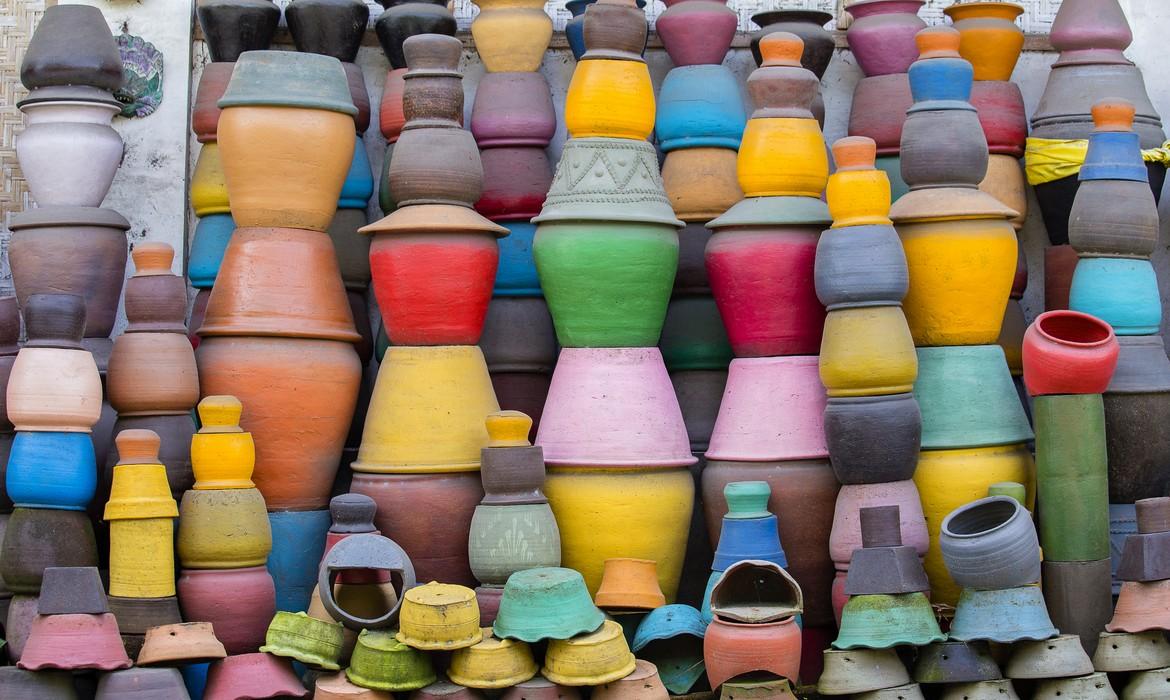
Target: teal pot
{"x": 886, "y": 621}
{"x": 1123, "y": 292}
{"x": 208, "y": 244}
{"x": 693, "y": 336}
{"x": 892, "y": 167}
{"x": 298, "y": 543}
{"x": 1007, "y": 615}
{"x": 547, "y": 603}
{"x": 968, "y": 399}
{"x": 509, "y": 538}
{"x": 671, "y": 638}
{"x": 359, "y": 181}
{"x": 289, "y": 79}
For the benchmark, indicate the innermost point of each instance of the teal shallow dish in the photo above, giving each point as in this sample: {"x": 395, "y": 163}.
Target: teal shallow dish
{"x": 546, "y": 603}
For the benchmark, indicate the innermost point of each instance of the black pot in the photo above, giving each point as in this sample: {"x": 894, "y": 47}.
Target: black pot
{"x": 809, "y": 25}
{"x": 330, "y": 27}
{"x": 231, "y": 27}
{"x": 402, "y": 20}
{"x": 72, "y": 45}
{"x": 873, "y": 439}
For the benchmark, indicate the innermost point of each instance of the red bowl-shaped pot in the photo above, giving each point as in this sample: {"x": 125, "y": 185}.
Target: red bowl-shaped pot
{"x": 390, "y": 115}
{"x": 515, "y": 181}
{"x": 762, "y": 280}
{"x": 239, "y": 604}
{"x": 1068, "y": 352}
{"x": 205, "y": 113}
{"x": 731, "y": 649}
{"x": 434, "y": 288}
{"x": 879, "y": 110}
{"x": 1001, "y": 113}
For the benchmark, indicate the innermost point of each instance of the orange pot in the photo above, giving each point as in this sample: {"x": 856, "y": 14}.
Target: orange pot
{"x": 701, "y": 183}
{"x": 152, "y": 374}
{"x": 731, "y": 649}
{"x": 299, "y": 396}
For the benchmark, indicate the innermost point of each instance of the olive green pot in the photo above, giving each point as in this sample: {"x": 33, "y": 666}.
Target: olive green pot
{"x": 381, "y": 662}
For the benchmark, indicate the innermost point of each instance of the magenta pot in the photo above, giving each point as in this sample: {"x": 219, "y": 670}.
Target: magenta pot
{"x": 1001, "y": 113}
{"x": 513, "y": 109}
{"x": 241, "y": 617}
{"x": 882, "y": 34}
{"x": 696, "y": 32}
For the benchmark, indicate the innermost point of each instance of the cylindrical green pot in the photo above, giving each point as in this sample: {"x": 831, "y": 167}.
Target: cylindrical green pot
{"x": 607, "y": 283}
{"x": 505, "y": 539}
{"x": 1072, "y": 477}
{"x": 968, "y": 399}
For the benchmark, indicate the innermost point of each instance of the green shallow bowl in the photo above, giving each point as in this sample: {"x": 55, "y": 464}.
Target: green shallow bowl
{"x": 313, "y": 642}
{"x": 886, "y": 621}
{"x": 382, "y": 662}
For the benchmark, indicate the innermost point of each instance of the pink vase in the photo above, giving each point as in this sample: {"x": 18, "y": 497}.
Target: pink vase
{"x": 882, "y": 34}
{"x": 239, "y": 603}
{"x": 846, "y": 534}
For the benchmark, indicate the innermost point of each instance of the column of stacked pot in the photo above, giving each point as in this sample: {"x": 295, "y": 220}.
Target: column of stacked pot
{"x": 433, "y": 260}
{"x": 54, "y": 400}
{"x": 229, "y": 29}
{"x": 961, "y": 252}
{"x": 224, "y": 535}
{"x": 513, "y": 121}
{"x": 9, "y": 347}
{"x": 606, "y": 250}
{"x": 760, "y": 262}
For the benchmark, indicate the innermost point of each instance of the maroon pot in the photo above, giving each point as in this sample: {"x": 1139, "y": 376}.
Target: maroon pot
{"x": 22, "y": 610}
{"x": 513, "y": 109}
{"x": 359, "y": 95}
{"x": 1001, "y": 113}
{"x": 515, "y": 181}
{"x": 882, "y": 34}
{"x": 137, "y": 615}
{"x": 695, "y": 32}
{"x": 1060, "y": 262}
{"x": 522, "y": 391}
{"x": 239, "y": 603}
{"x": 488, "y": 598}
{"x": 879, "y": 110}
{"x": 205, "y": 113}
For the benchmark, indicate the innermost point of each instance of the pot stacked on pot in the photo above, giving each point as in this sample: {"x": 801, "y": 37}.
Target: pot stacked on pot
{"x": 606, "y": 251}
{"x": 748, "y": 532}
{"x": 961, "y": 252}
{"x": 9, "y": 347}
{"x": 513, "y": 121}
{"x": 433, "y": 261}
{"x": 229, "y": 29}
{"x": 819, "y": 44}
{"x": 760, "y": 263}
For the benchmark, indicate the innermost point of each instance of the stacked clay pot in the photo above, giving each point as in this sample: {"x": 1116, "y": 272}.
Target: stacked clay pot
{"x": 224, "y": 536}
{"x": 141, "y": 514}
{"x": 278, "y": 332}
{"x": 819, "y": 44}
{"x": 1143, "y": 571}
{"x": 872, "y": 422}
{"x": 229, "y": 29}
{"x": 606, "y": 251}
{"x": 760, "y": 261}
{"x": 961, "y": 252}
{"x": 1069, "y": 359}
{"x": 433, "y": 261}
{"x": 513, "y": 121}
{"x": 9, "y": 347}
{"x": 881, "y": 38}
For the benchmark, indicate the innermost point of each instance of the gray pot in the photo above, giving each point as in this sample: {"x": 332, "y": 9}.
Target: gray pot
{"x": 873, "y": 439}
{"x": 943, "y": 148}
{"x": 518, "y": 335}
{"x": 860, "y": 266}
{"x": 1137, "y": 406}
{"x": 991, "y": 544}
{"x": 1116, "y": 218}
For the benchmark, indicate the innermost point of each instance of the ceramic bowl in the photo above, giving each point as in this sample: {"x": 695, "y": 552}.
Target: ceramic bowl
{"x": 547, "y": 603}
{"x": 315, "y": 643}
{"x": 439, "y": 616}
{"x": 955, "y": 662}
{"x": 593, "y": 658}
{"x": 860, "y": 670}
{"x": 1059, "y": 657}
{"x": 492, "y": 663}
{"x": 381, "y": 662}
{"x": 1119, "y": 652}
{"x": 180, "y": 644}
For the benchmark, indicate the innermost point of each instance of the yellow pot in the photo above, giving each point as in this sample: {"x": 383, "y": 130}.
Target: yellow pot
{"x": 439, "y": 616}
{"x": 611, "y": 513}
{"x": 782, "y": 156}
{"x": 961, "y": 275}
{"x": 989, "y": 37}
{"x": 142, "y": 558}
{"x": 589, "y": 659}
{"x": 610, "y": 98}
{"x": 947, "y": 479}
{"x": 223, "y": 529}
{"x": 1005, "y": 181}
{"x": 867, "y": 351}
{"x": 427, "y": 411}
{"x": 493, "y": 663}
{"x": 858, "y": 194}
{"x": 511, "y": 35}
{"x": 701, "y": 182}
{"x": 222, "y": 454}
{"x": 139, "y": 491}
{"x": 209, "y": 194}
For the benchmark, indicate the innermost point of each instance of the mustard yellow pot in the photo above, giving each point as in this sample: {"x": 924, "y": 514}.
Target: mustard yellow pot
{"x": 594, "y": 658}
{"x": 947, "y": 479}
{"x": 701, "y": 183}
{"x": 610, "y": 98}
{"x": 782, "y": 156}
{"x": 223, "y": 529}
{"x": 1005, "y": 181}
{"x": 961, "y": 275}
{"x": 858, "y": 194}
{"x": 141, "y": 513}
{"x": 610, "y": 513}
{"x": 492, "y": 663}
{"x": 867, "y": 351}
{"x": 222, "y": 454}
{"x": 511, "y": 35}
{"x": 209, "y": 194}
{"x": 439, "y": 616}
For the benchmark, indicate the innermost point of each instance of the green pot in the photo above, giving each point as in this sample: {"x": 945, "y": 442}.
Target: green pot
{"x": 968, "y": 399}
{"x": 607, "y": 283}
{"x": 313, "y": 642}
{"x": 693, "y": 336}
{"x": 509, "y": 538}
{"x": 886, "y": 621}
{"x": 381, "y": 662}
{"x": 548, "y": 603}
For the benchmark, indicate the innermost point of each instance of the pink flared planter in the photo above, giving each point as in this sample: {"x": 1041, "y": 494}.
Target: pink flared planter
{"x": 74, "y": 642}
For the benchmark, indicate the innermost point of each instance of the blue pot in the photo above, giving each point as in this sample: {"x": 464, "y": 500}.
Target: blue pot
{"x": 700, "y": 106}
{"x": 749, "y": 538}
{"x": 516, "y": 274}
{"x": 941, "y": 83}
{"x": 298, "y": 543}
{"x": 1007, "y": 615}
{"x": 212, "y": 234}
{"x": 575, "y": 27}
{"x": 679, "y": 663}
{"x": 1114, "y": 155}
{"x": 52, "y": 470}
{"x": 359, "y": 181}
{"x": 1123, "y": 292}
{"x": 195, "y": 678}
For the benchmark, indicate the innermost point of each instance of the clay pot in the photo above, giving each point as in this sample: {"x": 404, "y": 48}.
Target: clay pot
{"x": 809, "y": 25}
{"x": 696, "y": 32}
{"x": 881, "y": 668}
{"x": 223, "y": 529}
{"x": 518, "y": 335}
{"x": 1092, "y": 687}
{"x": 51, "y": 470}
{"x": 156, "y": 300}
{"x": 38, "y": 538}
{"x": 298, "y": 539}
{"x": 208, "y": 193}
{"x": 979, "y": 616}
{"x": 693, "y": 337}
{"x": 851, "y": 426}
{"x": 297, "y": 454}
{"x": 211, "y": 237}
{"x": 511, "y": 35}
{"x": 1059, "y": 657}
{"x": 1099, "y": 285}
{"x": 1114, "y": 218}
{"x": 515, "y": 183}
{"x": 955, "y": 662}
{"x": 860, "y": 266}
{"x": 74, "y": 642}
{"x": 19, "y": 684}
{"x": 351, "y": 248}
{"x": 390, "y": 116}
{"x": 59, "y": 131}
{"x": 967, "y": 398}
{"x": 512, "y": 109}
{"x": 1067, "y": 352}
{"x": 22, "y": 610}
{"x": 846, "y": 532}
{"x": 508, "y": 538}
{"x": 1060, "y": 262}
{"x": 991, "y": 543}
{"x": 180, "y": 644}
{"x": 230, "y": 28}
{"x": 1136, "y": 396}
{"x": 1005, "y": 182}
{"x": 241, "y": 619}
{"x": 402, "y": 20}
{"x": 253, "y": 675}
{"x": 1119, "y": 652}
{"x": 1001, "y": 114}
{"x": 205, "y": 112}
{"x": 513, "y": 470}
{"x": 991, "y": 40}
{"x": 731, "y": 649}
{"x": 593, "y": 659}
{"x": 867, "y": 351}
{"x": 629, "y": 584}
{"x": 701, "y": 182}
{"x": 152, "y": 373}
{"x": 54, "y": 390}
{"x": 142, "y": 683}
{"x": 540, "y": 688}
{"x": 330, "y": 27}
{"x": 885, "y": 621}
{"x": 881, "y": 35}
{"x": 72, "y": 46}
{"x": 879, "y": 109}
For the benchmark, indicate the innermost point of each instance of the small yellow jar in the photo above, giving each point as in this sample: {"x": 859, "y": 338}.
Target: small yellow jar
{"x": 610, "y": 98}
{"x": 858, "y": 194}
{"x": 222, "y": 454}
{"x": 782, "y": 156}
{"x": 141, "y": 512}
{"x": 209, "y": 194}
{"x": 867, "y": 351}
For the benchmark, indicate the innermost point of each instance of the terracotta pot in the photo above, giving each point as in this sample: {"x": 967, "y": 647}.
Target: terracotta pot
{"x": 873, "y": 439}
{"x": 1005, "y": 182}
{"x": 231, "y": 28}
{"x": 1067, "y": 352}
{"x": 155, "y": 299}
{"x": 696, "y": 31}
{"x": 62, "y": 130}
{"x": 240, "y": 620}
{"x": 991, "y": 40}
{"x": 330, "y": 27}
{"x": 963, "y": 160}
{"x": 71, "y": 250}
{"x": 253, "y": 675}
{"x": 539, "y": 688}
{"x": 731, "y": 649}
{"x": 296, "y": 454}
{"x": 402, "y": 20}
{"x": 809, "y": 25}
{"x": 611, "y": 98}
{"x": 513, "y": 109}
{"x": 223, "y": 529}
{"x": 515, "y": 182}
{"x": 152, "y": 373}
{"x": 390, "y": 116}
{"x": 72, "y": 46}
{"x": 205, "y": 112}
{"x": 879, "y": 110}
{"x": 511, "y": 35}
{"x": 351, "y": 248}
{"x": 1001, "y": 114}
{"x": 179, "y": 644}
{"x": 881, "y": 36}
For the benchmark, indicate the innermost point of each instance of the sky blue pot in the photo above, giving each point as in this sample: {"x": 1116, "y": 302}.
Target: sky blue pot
{"x": 748, "y": 538}
{"x": 212, "y": 234}
{"x": 298, "y": 543}
{"x": 1123, "y": 292}
{"x": 1007, "y": 615}
{"x": 52, "y": 470}
{"x": 700, "y": 106}
{"x": 679, "y": 663}
{"x": 516, "y": 273}
{"x": 941, "y": 83}
{"x": 359, "y": 181}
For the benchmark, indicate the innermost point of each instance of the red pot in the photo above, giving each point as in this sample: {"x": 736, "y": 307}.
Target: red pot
{"x": 1068, "y": 352}
{"x": 515, "y": 181}
{"x": 390, "y": 115}
{"x": 762, "y": 280}
{"x": 879, "y": 110}
{"x": 1001, "y": 113}
{"x": 239, "y": 604}
{"x": 205, "y": 113}
{"x": 731, "y": 649}
{"x": 434, "y": 288}
{"x": 1060, "y": 262}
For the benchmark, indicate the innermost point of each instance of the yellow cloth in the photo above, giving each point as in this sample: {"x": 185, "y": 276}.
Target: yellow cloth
{"x": 1046, "y": 160}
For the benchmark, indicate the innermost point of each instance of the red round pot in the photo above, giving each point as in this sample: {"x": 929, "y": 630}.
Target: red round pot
{"x": 391, "y": 119}
{"x": 239, "y": 603}
{"x": 515, "y": 181}
{"x": 1001, "y": 113}
{"x": 205, "y": 113}
{"x": 434, "y": 288}
{"x": 762, "y": 280}
{"x": 731, "y": 649}
{"x": 879, "y": 110}
{"x": 1068, "y": 352}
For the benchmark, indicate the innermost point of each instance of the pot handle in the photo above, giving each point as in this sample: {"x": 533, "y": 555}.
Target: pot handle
{"x": 364, "y": 551}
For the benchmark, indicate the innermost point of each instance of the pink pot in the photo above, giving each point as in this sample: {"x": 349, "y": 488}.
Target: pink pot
{"x": 695, "y": 32}
{"x": 773, "y": 409}
{"x": 846, "y": 535}
{"x": 1001, "y": 113}
{"x": 74, "y": 642}
{"x": 252, "y": 676}
{"x": 838, "y": 595}
{"x": 882, "y": 34}
{"x": 613, "y": 407}
{"x": 1068, "y": 352}
{"x": 239, "y": 603}
{"x": 879, "y": 110}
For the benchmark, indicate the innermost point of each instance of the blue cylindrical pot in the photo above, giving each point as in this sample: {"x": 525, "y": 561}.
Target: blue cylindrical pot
{"x": 1123, "y": 292}
{"x": 212, "y": 234}
{"x": 52, "y": 470}
{"x": 298, "y": 543}
{"x": 700, "y": 106}
{"x": 516, "y": 273}
{"x": 749, "y": 538}
{"x": 359, "y": 181}
{"x": 195, "y": 678}
{"x": 1114, "y": 155}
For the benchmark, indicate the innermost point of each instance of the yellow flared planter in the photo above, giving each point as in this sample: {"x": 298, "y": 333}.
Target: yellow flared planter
{"x": 782, "y": 156}
{"x": 140, "y": 491}
{"x": 612, "y": 513}
{"x": 222, "y": 454}
{"x": 142, "y": 558}
{"x": 947, "y": 479}
{"x": 960, "y": 278}
{"x": 700, "y": 182}
{"x": 511, "y": 35}
{"x": 610, "y": 98}
{"x": 209, "y": 194}
{"x": 859, "y": 198}
{"x": 427, "y": 411}
{"x": 867, "y": 351}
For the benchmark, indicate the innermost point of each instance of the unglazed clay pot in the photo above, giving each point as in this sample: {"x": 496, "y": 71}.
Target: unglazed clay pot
{"x": 406, "y": 18}
{"x": 513, "y": 109}
{"x": 809, "y": 25}
{"x": 38, "y": 538}
{"x": 223, "y": 529}
{"x": 518, "y": 336}
{"x": 232, "y": 27}
{"x": 330, "y": 27}
{"x": 205, "y": 112}
{"x": 152, "y": 373}
{"x": 511, "y": 35}
{"x": 881, "y": 36}
{"x": 991, "y": 543}
{"x": 61, "y": 131}
{"x": 352, "y": 249}
{"x": 390, "y": 116}
{"x": 72, "y": 46}
{"x": 879, "y": 110}
{"x": 693, "y": 337}
{"x": 1067, "y": 352}
{"x": 696, "y": 32}
{"x": 241, "y": 619}
{"x": 515, "y": 181}
{"x": 991, "y": 40}
{"x": 731, "y": 649}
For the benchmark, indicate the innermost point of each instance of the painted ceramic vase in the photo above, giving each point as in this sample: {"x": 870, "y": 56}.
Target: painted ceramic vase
{"x": 72, "y": 46}
{"x": 809, "y": 25}
{"x": 241, "y": 619}
{"x": 513, "y": 109}
{"x": 330, "y": 27}
{"x": 881, "y": 35}
{"x": 515, "y": 183}
{"x": 509, "y": 538}
{"x": 230, "y": 28}
{"x": 61, "y": 129}
{"x": 696, "y": 32}
{"x": 404, "y": 19}
{"x": 51, "y": 470}
{"x": 991, "y": 40}
{"x": 511, "y": 35}
{"x": 1001, "y": 114}
{"x": 37, "y": 538}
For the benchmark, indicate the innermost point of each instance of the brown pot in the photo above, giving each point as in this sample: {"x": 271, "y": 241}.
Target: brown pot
{"x": 40, "y": 538}
{"x": 297, "y": 451}
{"x": 359, "y": 95}
{"x": 522, "y": 391}
{"x": 152, "y": 374}
{"x": 390, "y": 116}
{"x": 352, "y": 248}
{"x": 21, "y": 613}
{"x": 1059, "y": 264}
{"x": 205, "y": 113}
{"x": 155, "y": 298}
{"x": 137, "y": 615}
{"x": 240, "y": 619}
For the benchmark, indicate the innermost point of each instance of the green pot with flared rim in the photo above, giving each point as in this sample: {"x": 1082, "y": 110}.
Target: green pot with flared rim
{"x": 885, "y": 621}
{"x": 547, "y": 603}
{"x": 288, "y": 79}
{"x": 311, "y": 641}
{"x": 967, "y": 398}
{"x": 381, "y": 662}
{"x": 509, "y": 538}
{"x": 607, "y": 283}
{"x": 693, "y": 336}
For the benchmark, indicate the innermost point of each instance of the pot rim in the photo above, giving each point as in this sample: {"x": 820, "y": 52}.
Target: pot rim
{"x": 793, "y": 15}
{"x": 989, "y": 6}
{"x": 1089, "y": 319}
{"x": 968, "y": 507}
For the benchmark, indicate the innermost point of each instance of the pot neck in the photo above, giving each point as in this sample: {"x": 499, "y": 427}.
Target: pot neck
{"x": 69, "y": 111}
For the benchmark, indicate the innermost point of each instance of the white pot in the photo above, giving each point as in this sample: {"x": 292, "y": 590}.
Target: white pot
{"x": 68, "y": 151}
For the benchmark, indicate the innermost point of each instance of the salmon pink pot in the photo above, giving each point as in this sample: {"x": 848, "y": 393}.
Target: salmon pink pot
{"x": 434, "y": 288}
{"x": 731, "y": 649}
{"x": 239, "y": 603}
{"x": 253, "y": 676}
{"x": 74, "y": 642}
{"x": 1068, "y": 352}
{"x": 391, "y": 118}
{"x": 846, "y": 535}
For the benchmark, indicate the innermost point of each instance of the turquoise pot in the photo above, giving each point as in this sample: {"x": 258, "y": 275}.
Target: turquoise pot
{"x": 887, "y": 621}
{"x": 671, "y": 638}
{"x": 359, "y": 181}
{"x": 967, "y": 398}
{"x": 298, "y": 544}
{"x": 547, "y": 603}
{"x": 1123, "y": 292}
{"x": 1006, "y": 616}
{"x": 212, "y": 234}
{"x": 892, "y": 167}
{"x": 516, "y": 274}
{"x": 51, "y": 470}
{"x": 700, "y": 106}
